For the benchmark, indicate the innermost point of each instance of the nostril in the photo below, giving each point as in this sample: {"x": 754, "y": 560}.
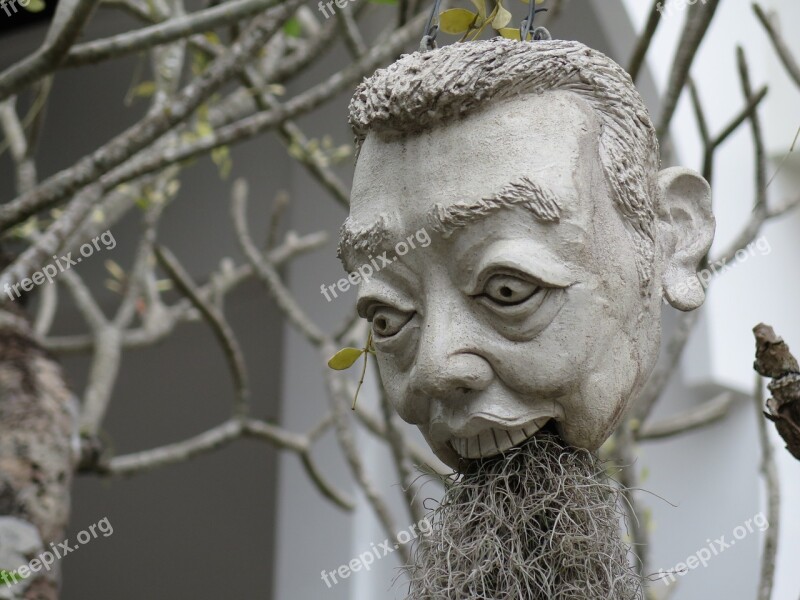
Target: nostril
{"x": 464, "y": 390}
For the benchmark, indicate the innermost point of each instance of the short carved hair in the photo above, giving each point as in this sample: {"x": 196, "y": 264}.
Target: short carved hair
{"x": 423, "y": 89}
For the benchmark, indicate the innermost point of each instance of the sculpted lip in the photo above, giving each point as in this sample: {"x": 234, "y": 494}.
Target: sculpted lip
{"x": 494, "y": 441}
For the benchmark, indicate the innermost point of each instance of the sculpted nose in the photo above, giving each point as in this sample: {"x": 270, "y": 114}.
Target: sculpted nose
{"x": 448, "y": 365}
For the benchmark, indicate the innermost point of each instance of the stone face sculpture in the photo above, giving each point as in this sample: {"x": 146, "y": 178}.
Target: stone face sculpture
{"x": 534, "y": 167}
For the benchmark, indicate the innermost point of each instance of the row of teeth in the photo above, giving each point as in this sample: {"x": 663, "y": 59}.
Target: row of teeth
{"x": 495, "y": 441}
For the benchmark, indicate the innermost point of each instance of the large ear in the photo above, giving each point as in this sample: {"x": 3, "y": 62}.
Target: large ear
{"x": 685, "y": 232}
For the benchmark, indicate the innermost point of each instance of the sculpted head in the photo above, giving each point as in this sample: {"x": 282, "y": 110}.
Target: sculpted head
{"x": 533, "y": 168}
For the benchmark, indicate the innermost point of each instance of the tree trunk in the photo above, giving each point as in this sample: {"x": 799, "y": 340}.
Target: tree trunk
{"x": 37, "y": 457}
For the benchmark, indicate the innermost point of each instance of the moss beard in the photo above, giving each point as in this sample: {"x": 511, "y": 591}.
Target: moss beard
{"x": 540, "y": 522}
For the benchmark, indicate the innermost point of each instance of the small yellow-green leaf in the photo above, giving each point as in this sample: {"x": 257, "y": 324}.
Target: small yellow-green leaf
{"x": 213, "y": 38}
{"x": 116, "y": 271}
{"x": 512, "y": 33}
{"x": 203, "y": 128}
{"x": 502, "y": 18}
{"x": 456, "y": 20}
{"x": 33, "y": 6}
{"x": 344, "y": 358}
{"x": 145, "y": 89}
{"x": 481, "y": 6}
{"x": 292, "y": 28}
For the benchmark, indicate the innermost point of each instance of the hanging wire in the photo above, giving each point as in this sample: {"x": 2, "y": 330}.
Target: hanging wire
{"x": 428, "y": 41}
{"x": 539, "y": 33}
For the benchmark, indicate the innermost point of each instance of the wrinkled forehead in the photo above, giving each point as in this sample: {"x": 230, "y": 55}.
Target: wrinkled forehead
{"x": 400, "y": 179}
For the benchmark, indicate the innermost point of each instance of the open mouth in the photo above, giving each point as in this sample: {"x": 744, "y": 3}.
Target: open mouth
{"x": 496, "y": 441}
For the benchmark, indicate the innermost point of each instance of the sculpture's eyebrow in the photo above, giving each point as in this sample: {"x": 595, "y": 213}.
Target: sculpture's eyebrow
{"x": 371, "y": 240}
{"x": 526, "y": 193}
{"x": 366, "y": 240}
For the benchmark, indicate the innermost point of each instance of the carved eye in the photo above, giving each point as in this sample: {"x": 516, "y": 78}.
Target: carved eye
{"x": 387, "y": 322}
{"x": 507, "y": 290}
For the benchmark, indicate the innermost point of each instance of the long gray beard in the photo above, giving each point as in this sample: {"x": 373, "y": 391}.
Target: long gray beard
{"x": 538, "y": 523}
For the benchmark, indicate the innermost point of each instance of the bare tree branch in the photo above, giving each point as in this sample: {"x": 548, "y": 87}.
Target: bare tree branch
{"x": 769, "y": 471}
{"x": 219, "y": 325}
{"x": 267, "y": 272}
{"x": 698, "y": 18}
{"x": 645, "y": 39}
{"x": 350, "y": 33}
{"x": 137, "y": 137}
{"x": 337, "y": 392}
{"x": 70, "y": 17}
{"x": 782, "y": 49}
{"x": 162, "y": 33}
{"x": 158, "y": 326}
{"x": 709, "y": 412}
{"x": 667, "y": 364}
{"x": 760, "y": 209}
{"x": 251, "y": 126}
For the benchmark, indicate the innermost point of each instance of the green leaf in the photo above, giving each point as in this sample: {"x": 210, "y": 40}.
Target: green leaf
{"x": 511, "y": 33}
{"x": 33, "y": 6}
{"x": 116, "y": 271}
{"x": 145, "y": 89}
{"x": 203, "y": 128}
{"x": 292, "y": 27}
{"x": 502, "y": 18}
{"x": 213, "y": 38}
{"x": 456, "y": 20}
{"x": 345, "y": 358}
{"x": 222, "y": 158}
{"x": 481, "y": 6}
{"x": 9, "y": 576}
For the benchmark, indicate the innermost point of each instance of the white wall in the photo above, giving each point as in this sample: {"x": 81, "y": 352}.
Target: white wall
{"x": 762, "y": 288}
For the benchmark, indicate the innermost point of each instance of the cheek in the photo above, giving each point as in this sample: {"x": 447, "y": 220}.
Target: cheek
{"x": 395, "y": 385}
{"x": 562, "y": 355}
{"x": 595, "y": 407}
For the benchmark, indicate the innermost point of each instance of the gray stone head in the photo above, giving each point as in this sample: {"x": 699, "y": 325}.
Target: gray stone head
{"x": 552, "y": 236}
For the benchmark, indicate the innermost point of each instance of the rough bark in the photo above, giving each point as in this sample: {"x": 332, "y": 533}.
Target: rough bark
{"x": 774, "y": 360}
{"x": 37, "y": 450}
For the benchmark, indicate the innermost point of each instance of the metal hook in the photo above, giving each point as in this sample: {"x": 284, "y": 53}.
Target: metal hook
{"x": 527, "y": 24}
{"x": 428, "y": 41}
